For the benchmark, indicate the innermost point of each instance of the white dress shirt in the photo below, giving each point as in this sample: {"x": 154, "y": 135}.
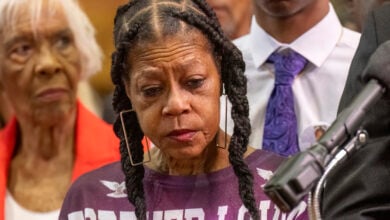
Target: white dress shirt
{"x": 327, "y": 46}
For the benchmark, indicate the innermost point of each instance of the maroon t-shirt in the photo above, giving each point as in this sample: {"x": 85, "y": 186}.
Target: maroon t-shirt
{"x": 101, "y": 194}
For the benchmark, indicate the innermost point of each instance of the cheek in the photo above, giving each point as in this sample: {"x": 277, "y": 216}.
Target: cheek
{"x": 72, "y": 70}
{"x": 17, "y": 78}
{"x": 13, "y": 69}
{"x": 20, "y": 89}
{"x": 71, "y": 62}
{"x": 210, "y": 113}
{"x": 149, "y": 122}
{"x": 208, "y": 110}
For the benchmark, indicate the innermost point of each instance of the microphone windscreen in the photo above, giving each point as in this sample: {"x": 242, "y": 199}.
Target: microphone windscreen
{"x": 378, "y": 66}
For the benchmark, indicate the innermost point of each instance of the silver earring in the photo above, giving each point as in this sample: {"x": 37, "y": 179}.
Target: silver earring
{"x": 121, "y": 115}
{"x": 226, "y": 108}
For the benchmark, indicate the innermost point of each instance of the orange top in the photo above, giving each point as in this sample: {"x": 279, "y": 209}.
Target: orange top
{"x": 95, "y": 145}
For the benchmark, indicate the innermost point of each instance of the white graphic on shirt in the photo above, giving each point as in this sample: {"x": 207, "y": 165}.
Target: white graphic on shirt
{"x": 119, "y": 189}
{"x": 265, "y": 174}
{"x": 268, "y": 211}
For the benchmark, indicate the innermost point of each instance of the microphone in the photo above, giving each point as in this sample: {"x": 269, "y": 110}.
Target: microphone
{"x": 299, "y": 174}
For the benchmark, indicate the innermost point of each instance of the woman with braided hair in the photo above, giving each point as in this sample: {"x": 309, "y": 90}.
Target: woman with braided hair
{"x": 171, "y": 65}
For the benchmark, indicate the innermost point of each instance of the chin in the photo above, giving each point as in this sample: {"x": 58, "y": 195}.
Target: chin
{"x": 185, "y": 153}
{"x": 54, "y": 114}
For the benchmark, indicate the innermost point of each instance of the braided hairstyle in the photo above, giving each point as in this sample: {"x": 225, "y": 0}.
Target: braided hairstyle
{"x": 140, "y": 21}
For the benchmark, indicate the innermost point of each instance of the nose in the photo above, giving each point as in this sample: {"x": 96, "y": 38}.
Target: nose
{"x": 177, "y": 102}
{"x": 47, "y": 63}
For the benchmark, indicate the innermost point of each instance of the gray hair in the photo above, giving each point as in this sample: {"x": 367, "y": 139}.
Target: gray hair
{"x": 79, "y": 23}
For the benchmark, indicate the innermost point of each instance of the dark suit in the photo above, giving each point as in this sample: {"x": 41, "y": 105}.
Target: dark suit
{"x": 360, "y": 188}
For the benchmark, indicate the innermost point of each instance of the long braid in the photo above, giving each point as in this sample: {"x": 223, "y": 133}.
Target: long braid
{"x": 233, "y": 68}
{"x": 135, "y": 29}
{"x": 133, "y": 174}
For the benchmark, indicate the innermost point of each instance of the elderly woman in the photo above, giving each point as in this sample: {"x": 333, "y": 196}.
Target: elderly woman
{"x": 171, "y": 65}
{"x": 46, "y": 48}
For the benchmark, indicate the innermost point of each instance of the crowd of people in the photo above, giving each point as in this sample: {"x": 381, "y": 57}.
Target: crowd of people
{"x": 210, "y": 97}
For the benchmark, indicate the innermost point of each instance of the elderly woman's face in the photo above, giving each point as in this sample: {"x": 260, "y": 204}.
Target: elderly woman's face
{"x": 39, "y": 69}
{"x": 174, "y": 88}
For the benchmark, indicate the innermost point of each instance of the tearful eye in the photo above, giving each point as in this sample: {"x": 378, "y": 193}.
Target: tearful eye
{"x": 22, "y": 50}
{"x": 151, "y": 91}
{"x": 195, "y": 83}
{"x": 63, "y": 41}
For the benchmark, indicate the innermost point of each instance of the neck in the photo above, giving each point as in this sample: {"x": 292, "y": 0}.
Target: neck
{"x": 41, "y": 141}
{"x": 212, "y": 159}
{"x": 286, "y": 29}
{"x": 41, "y": 168}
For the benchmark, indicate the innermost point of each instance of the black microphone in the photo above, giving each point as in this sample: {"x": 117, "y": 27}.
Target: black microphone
{"x": 299, "y": 174}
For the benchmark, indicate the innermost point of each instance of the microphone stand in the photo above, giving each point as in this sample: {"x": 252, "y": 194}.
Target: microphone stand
{"x": 337, "y": 158}
{"x": 298, "y": 175}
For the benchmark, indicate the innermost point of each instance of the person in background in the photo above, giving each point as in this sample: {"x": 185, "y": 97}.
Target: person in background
{"x": 234, "y": 16}
{"x": 46, "y": 48}
{"x": 171, "y": 64}
{"x": 297, "y": 56}
{"x": 359, "y": 187}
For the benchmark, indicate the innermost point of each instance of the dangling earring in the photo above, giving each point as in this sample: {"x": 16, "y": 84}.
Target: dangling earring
{"x": 121, "y": 115}
{"x": 226, "y": 103}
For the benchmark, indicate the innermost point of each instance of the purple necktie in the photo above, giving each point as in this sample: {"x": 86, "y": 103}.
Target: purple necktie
{"x": 280, "y": 129}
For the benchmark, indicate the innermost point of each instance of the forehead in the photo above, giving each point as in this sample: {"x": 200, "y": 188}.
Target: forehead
{"x": 32, "y": 16}
{"x": 168, "y": 47}
{"x": 180, "y": 53}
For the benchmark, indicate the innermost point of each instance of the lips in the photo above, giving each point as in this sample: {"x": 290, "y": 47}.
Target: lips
{"x": 182, "y": 135}
{"x": 52, "y": 94}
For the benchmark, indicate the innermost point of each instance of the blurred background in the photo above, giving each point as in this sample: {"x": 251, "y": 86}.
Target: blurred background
{"x": 101, "y": 13}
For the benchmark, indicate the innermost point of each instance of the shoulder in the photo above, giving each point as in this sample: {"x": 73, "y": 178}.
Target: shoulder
{"x": 100, "y": 189}
{"x": 382, "y": 13}
{"x": 91, "y": 183}
{"x": 380, "y": 22}
{"x": 112, "y": 171}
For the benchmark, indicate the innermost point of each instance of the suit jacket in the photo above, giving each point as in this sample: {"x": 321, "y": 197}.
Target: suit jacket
{"x": 360, "y": 187}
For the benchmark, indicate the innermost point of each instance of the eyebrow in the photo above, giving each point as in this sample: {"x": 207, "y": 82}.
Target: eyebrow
{"x": 23, "y": 36}
{"x": 66, "y": 31}
{"x": 148, "y": 73}
{"x": 13, "y": 40}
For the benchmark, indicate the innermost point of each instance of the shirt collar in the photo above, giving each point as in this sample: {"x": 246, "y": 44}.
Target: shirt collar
{"x": 315, "y": 45}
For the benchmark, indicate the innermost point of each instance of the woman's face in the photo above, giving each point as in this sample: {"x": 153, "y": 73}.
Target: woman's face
{"x": 39, "y": 69}
{"x": 174, "y": 88}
